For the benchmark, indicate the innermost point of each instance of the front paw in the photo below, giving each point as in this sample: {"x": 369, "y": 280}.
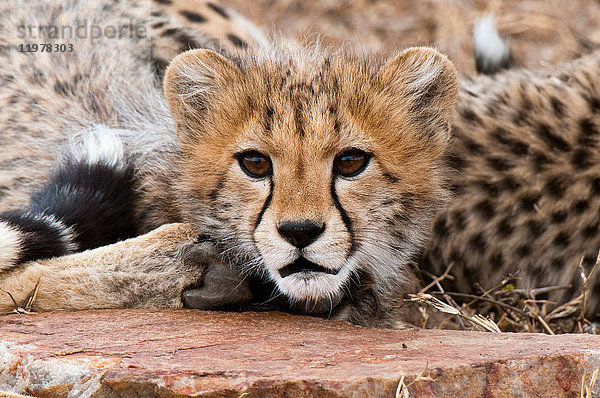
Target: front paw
{"x": 221, "y": 286}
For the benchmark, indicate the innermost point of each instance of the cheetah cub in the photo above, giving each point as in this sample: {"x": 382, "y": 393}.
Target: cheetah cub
{"x": 313, "y": 174}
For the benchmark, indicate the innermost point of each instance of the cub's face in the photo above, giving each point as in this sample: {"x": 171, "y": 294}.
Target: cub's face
{"x": 315, "y": 170}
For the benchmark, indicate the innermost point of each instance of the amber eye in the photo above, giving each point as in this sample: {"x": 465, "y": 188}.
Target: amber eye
{"x": 351, "y": 163}
{"x": 255, "y": 164}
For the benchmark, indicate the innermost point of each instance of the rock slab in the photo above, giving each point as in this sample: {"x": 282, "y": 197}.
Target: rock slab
{"x": 182, "y": 353}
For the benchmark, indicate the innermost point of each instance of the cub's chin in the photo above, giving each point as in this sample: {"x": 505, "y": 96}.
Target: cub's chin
{"x": 311, "y": 288}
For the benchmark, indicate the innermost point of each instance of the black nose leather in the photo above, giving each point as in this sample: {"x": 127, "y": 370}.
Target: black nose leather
{"x": 301, "y": 234}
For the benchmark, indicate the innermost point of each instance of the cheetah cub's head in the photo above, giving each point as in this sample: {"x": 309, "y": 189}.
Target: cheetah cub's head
{"x": 313, "y": 170}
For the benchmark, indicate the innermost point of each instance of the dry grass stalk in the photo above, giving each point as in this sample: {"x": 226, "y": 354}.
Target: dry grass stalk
{"x": 402, "y": 389}
{"x": 439, "y": 305}
{"x": 512, "y": 309}
{"x": 587, "y": 389}
{"x": 26, "y": 306}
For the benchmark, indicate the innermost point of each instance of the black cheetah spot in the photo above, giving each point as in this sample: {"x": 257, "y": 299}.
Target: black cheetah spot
{"x": 164, "y": 1}
{"x": 561, "y": 239}
{"x": 558, "y": 263}
{"x": 470, "y": 93}
{"x": 499, "y": 164}
{"x": 559, "y": 217}
{"x": 590, "y": 231}
{"x": 535, "y": 227}
{"x": 558, "y": 106}
{"x": 521, "y": 117}
{"x": 523, "y": 250}
{"x": 459, "y": 220}
{"x": 580, "y": 206}
{"x": 485, "y": 208}
{"x": 456, "y": 256}
{"x": 62, "y": 88}
{"x": 504, "y": 227}
{"x": 581, "y": 159}
{"x": 527, "y": 202}
{"x": 508, "y": 183}
{"x": 489, "y": 188}
{"x": 13, "y": 99}
{"x": 156, "y": 13}
{"x": 187, "y": 41}
{"x": 237, "y": 41}
{"x": 595, "y": 186}
{"x": 456, "y": 162}
{"x": 555, "y": 186}
{"x": 515, "y": 146}
{"x": 158, "y": 25}
{"x": 477, "y": 242}
{"x": 496, "y": 260}
{"x": 587, "y": 132}
{"x": 469, "y": 116}
{"x": 545, "y": 133}
{"x": 540, "y": 161}
{"x": 492, "y": 110}
{"x": 472, "y": 146}
{"x": 170, "y": 32}
{"x": 594, "y": 104}
{"x": 193, "y": 16}
{"x": 440, "y": 227}
{"x": 219, "y": 10}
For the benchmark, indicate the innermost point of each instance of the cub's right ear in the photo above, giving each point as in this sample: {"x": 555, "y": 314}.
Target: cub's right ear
{"x": 426, "y": 84}
{"x": 193, "y": 80}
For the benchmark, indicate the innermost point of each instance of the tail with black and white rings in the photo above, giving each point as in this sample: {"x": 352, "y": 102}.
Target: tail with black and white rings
{"x": 491, "y": 52}
{"x": 86, "y": 202}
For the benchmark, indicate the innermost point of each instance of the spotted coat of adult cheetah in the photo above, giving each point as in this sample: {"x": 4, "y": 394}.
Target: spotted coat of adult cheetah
{"x": 525, "y": 182}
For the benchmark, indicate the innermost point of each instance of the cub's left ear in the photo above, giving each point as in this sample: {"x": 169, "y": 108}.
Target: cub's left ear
{"x": 426, "y": 84}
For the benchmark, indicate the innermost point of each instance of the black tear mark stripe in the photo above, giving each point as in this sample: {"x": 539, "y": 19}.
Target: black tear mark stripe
{"x": 265, "y": 205}
{"x": 345, "y": 218}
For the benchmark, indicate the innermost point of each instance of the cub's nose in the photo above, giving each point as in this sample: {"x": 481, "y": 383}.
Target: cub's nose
{"x": 301, "y": 234}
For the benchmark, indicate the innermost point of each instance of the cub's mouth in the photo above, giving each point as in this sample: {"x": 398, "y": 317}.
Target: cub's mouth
{"x": 303, "y": 265}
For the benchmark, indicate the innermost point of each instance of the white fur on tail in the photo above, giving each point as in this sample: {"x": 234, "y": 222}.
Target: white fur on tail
{"x": 10, "y": 246}
{"x": 491, "y": 53}
{"x": 98, "y": 145}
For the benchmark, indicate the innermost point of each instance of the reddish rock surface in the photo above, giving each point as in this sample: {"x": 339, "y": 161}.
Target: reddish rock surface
{"x": 141, "y": 353}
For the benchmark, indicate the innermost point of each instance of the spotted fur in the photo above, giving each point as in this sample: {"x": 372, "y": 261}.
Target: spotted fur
{"x": 526, "y": 183}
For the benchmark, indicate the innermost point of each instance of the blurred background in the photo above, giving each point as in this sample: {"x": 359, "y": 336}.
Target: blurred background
{"x": 538, "y": 31}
